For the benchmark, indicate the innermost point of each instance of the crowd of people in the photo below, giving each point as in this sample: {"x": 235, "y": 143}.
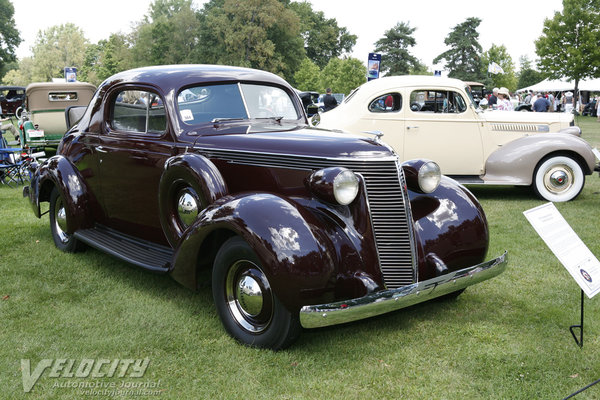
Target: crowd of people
{"x": 500, "y": 99}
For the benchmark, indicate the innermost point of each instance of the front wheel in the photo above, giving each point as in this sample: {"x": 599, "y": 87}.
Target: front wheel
{"x": 58, "y": 224}
{"x": 246, "y": 304}
{"x": 558, "y": 178}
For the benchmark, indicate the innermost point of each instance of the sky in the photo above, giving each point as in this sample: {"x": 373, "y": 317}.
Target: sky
{"x": 516, "y": 24}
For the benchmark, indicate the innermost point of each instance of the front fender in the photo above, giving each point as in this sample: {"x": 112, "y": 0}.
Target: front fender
{"x": 285, "y": 237}
{"x": 515, "y": 162}
{"x": 450, "y": 227}
{"x": 59, "y": 172}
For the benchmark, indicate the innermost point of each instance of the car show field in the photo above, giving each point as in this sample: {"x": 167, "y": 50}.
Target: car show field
{"x": 505, "y": 338}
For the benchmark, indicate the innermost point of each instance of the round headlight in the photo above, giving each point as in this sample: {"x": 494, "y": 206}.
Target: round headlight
{"x": 429, "y": 177}
{"x": 345, "y": 187}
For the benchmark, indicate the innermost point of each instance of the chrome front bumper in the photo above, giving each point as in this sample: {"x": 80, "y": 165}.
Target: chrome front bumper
{"x": 384, "y": 301}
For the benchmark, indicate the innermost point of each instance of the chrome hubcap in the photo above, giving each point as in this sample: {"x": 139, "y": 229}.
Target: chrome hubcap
{"x": 60, "y": 221}
{"x": 559, "y": 179}
{"x": 248, "y": 296}
{"x": 187, "y": 206}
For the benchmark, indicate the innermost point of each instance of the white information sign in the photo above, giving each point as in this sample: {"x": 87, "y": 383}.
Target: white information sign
{"x": 574, "y": 255}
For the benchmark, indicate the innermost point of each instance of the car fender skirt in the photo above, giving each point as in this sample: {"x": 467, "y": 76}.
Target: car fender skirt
{"x": 295, "y": 252}
{"x": 67, "y": 178}
{"x": 316, "y": 316}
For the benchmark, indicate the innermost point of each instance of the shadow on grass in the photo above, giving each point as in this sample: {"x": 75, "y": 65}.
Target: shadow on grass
{"x": 504, "y": 193}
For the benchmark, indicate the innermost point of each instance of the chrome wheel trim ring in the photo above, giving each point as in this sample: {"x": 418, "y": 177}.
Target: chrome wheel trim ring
{"x": 248, "y": 296}
{"x": 60, "y": 221}
{"x": 559, "y": 178}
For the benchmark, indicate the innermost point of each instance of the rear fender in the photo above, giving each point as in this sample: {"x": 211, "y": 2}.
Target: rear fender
{"x": 59, "y": 172}
{"x": 515, "y": 162}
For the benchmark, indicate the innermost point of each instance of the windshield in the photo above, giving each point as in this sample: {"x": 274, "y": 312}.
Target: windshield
{"x": 468, "y": 90}
{"x": 215, "y": 103}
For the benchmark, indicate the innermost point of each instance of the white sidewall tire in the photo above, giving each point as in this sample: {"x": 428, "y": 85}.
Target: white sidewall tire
{"x": 573, "y": 170}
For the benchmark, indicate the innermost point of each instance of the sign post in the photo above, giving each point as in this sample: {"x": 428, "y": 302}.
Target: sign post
{"x": 570, "y": 250}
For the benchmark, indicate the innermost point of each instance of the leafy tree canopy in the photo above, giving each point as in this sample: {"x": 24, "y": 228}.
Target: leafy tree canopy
{"x": 500, "y": 56}
{"x": 323, "y": 38}
{"x": 9, "y": 35}
{"x": 393, "y": 46}
{"x": 568, "y": 46}
{"x": 463, "y": 59}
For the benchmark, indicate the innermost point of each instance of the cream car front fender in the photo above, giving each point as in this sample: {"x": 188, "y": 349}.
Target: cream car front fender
{"x": 514, "y": 163}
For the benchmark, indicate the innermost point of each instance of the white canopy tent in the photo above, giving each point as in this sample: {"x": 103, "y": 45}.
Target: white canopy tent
{"x": 561, "y": 85}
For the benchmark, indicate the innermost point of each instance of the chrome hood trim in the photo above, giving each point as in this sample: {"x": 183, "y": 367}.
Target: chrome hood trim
{"x": 384, "y": 301}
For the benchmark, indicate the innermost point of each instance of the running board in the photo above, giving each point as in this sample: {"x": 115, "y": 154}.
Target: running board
{"x": 148, "y": 255}
{"x": 467, "y": 179}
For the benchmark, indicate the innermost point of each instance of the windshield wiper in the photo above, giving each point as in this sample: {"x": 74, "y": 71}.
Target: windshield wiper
{"x": 217, "y": 120}
{"x": 278, "y": 119}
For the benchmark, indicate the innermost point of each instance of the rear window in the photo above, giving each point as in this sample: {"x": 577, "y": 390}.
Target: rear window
{"x": 62, "y": 96}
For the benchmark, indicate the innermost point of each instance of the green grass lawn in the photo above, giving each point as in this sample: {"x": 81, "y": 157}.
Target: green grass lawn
{"x": 507, "y": 338}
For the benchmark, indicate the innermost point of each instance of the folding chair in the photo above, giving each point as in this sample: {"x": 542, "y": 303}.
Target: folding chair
{"x": 11, "y": 165}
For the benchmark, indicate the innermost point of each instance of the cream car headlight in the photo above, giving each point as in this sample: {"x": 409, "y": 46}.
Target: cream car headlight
{"x": 429, "y": 177}
{"x": 334, "y": 185}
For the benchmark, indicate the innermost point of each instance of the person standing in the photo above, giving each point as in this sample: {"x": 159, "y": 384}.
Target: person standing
{"x": 329, "y": 102}
{"x": 541, "y": 104}
{"x": 503, "y": 102}
{"x": 493, "y": 100}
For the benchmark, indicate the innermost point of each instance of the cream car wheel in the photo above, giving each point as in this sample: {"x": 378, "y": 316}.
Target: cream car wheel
{"x": 558, "y": 178}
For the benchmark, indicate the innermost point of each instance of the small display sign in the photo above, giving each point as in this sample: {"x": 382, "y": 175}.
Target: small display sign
{"x": 570, "y": 250}
{"x": 71, "y": 74}
{"x": 373, "y": 66}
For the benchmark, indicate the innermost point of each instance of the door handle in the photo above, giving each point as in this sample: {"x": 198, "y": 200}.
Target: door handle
{"x": 101, "y": 149}
{"x": 412, "y": 127}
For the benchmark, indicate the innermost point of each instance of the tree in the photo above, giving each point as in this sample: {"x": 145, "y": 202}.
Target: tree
{"x": 527, "y": 75}
{"x": 9, "y": 36}
{"x": 58, "y": 47}
{"x": 169, "y": 34}
{"x": 568, "y": 46}
{"x": 463, "y": 59}
{"x": 260, "y": 34}
{"x": 343, "y": 75}
{"x": 106, "y": 58}
{"x": 308, "y": 77}
{"x": 323, "y": 38}
{"x": 395, "y": 57}
{"x": 500, "y": 56}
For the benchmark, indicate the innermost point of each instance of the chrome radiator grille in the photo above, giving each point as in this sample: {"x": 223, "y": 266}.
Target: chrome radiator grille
{"x": 387, "y": 202}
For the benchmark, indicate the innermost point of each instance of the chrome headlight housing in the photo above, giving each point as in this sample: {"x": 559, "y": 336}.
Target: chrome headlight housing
{"x": 334, "y": 185}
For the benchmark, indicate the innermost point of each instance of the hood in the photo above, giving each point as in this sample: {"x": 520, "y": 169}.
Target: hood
{"x": 299, "y": 140}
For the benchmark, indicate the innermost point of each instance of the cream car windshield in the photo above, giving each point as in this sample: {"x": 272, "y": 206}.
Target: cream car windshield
{"x": 236, "y": 101}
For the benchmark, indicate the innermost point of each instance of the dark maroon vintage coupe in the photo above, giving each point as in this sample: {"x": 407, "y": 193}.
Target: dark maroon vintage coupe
{"x": 178, "y": 169}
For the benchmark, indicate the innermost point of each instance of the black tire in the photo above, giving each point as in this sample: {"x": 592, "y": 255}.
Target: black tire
{"x": 254, "y": 316}
{"x": 58, "y": 224}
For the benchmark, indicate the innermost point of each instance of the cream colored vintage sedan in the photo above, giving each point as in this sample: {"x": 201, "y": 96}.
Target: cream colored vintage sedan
{"x": 436, "y": 118}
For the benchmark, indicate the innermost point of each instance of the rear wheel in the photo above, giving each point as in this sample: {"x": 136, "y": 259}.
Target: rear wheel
{"x": 58, "y": 224}
{"x": 246, "y": 304}
{"x": 558, "y": 178}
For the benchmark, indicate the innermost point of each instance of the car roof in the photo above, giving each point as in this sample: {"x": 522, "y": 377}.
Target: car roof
{"x": 412, "y": 80}
{"x": 177, "y": 76}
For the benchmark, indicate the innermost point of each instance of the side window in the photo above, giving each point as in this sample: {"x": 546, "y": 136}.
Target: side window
{"x": 390, "y": 102}
{"x": 437, "y": 101}
{"x": 138, "y": 111}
